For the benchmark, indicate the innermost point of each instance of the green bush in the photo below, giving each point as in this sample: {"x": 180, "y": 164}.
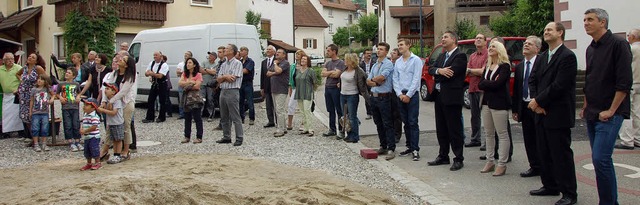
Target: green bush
{"x": 415, "y": 49}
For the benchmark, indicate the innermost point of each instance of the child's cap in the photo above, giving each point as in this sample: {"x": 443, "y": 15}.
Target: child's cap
{"x": 112, "y": 86}
{"x": 91, "y": 101}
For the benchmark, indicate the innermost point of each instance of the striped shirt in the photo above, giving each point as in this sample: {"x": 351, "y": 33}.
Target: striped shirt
{"x": 89, "y": 120}
{"x": 231, "y": 67}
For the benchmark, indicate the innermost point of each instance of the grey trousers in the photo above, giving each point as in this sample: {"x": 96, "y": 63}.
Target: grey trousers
{"x": 230, "y": 113}
{"x": 207, "y": 94}
{"x": 476, "y": 122}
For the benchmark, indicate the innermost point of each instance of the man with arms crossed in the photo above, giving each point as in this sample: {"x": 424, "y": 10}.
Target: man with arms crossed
{"x": 380, "y": 81}
{"x": 332, "y": 70}
{"x": 230, "y": 79}
{"x": 475, "y": 67}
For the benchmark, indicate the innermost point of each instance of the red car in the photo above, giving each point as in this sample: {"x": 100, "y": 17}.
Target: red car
{"x": 513, "y": 45}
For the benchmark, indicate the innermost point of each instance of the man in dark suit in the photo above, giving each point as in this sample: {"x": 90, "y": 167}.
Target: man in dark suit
{"x": 265, "y": 84}
{"x": 552, "y": 87}
{"x": 449, "y": 71}
{"x": 521, "y": 99}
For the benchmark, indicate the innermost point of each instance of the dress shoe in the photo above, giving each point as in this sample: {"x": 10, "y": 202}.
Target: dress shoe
{"x": 472, "y": 144}
{"x": 456, "y": 166}
{"x": 529, "y": 173}
{"x": 544, "y": 192}
{"x": 621, "y": 146}
{"x": 224, "y": 141}
{"x": 146, "y": 121}
{"x": 567, "y": 201}
{"x": 160, "y": 120}
{"x": 382, "y": 151}
{"x": 483, "y": 157}
{"x": 500, "y": 170}
{"x": 351, "y": 140}
{"x": 217, "y": 128}
{"x": 237, "y": 143}
{"x": 439, "y": 161}
{"x": 181, "y": 117}
{"x": 488, "y": 167}
{"x": 329, "y": 133}
{"x": 390, "y": 155}
{"x": 483, "y": 148}
{"x": 269, "y": 125}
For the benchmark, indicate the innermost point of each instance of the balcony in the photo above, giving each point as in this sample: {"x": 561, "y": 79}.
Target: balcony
{"x": 140, "y": 12}
{"x": 414, "y": 39}
{"x": 482, "y": 3}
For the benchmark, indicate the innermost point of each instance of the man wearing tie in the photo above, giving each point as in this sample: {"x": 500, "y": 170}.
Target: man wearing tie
{"x": 521, "y": 99}
{"x": 449, "y": 71}
{"x": 265, "y": 85}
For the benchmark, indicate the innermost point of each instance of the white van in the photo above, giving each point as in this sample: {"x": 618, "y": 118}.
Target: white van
{"x": 199, "y": 39}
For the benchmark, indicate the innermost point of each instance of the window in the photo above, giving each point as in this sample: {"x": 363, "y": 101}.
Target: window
{"x": 331, "y": 28}
{"x": 27, "y": 3}
{"x": 201, "y": 2}
{"x": 484, "y": 20}
{"x": 265, "y": 25}
{"x": 330, "y": 13}
{"x": 310, "y": 43}
{"x": 414, "y": 2}
{"x": 350, "y": 19}
{"x": 59, "y": 47}
{"x": 282, "y": 1}
{"x": 134, "y": 50}
{"x": 414, "y": 27}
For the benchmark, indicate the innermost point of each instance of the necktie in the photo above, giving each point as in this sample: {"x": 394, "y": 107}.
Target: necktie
{"x": 269, "y": 63}
{"x": 525, "y": 82}
{"x": 446, "y": 57}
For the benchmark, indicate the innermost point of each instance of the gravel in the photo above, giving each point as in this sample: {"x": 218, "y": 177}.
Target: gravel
{"x": 318, "y": 152}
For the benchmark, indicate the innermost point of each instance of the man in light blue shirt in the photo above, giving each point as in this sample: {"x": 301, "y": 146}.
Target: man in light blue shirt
{"x": 406, "y": 81}
{"x": 381, "y": 84}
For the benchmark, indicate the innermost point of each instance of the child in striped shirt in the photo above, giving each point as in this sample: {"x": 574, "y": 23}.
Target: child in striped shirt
{"x": 91, "y": 132}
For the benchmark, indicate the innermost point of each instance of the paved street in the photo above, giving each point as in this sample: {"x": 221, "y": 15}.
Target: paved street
{"x": 469, "y": 186}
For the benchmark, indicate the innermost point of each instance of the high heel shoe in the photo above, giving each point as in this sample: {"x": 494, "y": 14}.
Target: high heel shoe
{"x": 488, "y": 167}
{"x": 500, "y": 170}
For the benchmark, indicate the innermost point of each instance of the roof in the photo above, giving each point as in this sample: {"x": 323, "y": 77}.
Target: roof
{"x": 17, "y": 19}
{"x": 306, "y": 15}
{"x": 410, "y": 11}
{"x": 161, "y": 1}
{"x": 280, "y": 44}
{"x": 339, "y": 4}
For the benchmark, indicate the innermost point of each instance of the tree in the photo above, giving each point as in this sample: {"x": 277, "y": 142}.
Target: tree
{"x": 254, "y": 18}
{"x": 524, "y": 18}
{"x": 368, "y": 25}
{"x": 341, "y": 37}
{"x": 83, "y": 33}
{"x": 466, "y": 29}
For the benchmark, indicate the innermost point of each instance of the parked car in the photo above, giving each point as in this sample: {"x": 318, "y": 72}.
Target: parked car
{"x": 317, "y": 60}
{"x": 513, "y": 45}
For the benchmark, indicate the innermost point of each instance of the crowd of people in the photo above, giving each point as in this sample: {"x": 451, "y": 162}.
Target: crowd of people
{"x": 543, "y": 100}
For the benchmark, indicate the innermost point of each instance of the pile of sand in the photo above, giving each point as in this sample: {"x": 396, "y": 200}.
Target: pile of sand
{"x": 181, "y": 179}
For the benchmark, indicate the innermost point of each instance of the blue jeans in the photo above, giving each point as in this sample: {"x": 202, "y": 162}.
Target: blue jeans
{"x": 409, "y": 115}
{"x": 352, "y": 110}
{"x": 71, "y": 124}
{"x": 180, "y": 107}
{"x": 602, "y": 137}
{"x": 246, "y": 93}
{"x": 382, "y": 117}
{"x": 40, "y": 125}
{"x": 332, "y": 101}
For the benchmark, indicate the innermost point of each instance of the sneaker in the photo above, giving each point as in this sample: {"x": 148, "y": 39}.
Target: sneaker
{"x": 37, "y": 148}
{"x": 114, "y": 160}
{"x": 96, "y": 166}
{"x": 416, "y": 156}
{"x": 405, "y": 153}
{"x": 74, "y": 148}
{"x": 390, "y": 155}
{"x": 381, "y": 151}
{"x": 45, "y": 148}
{"x": 251, "y": 122}
{"x": 86, "y": 167}
{"x": 340, "y": 136}
{"x": 80, "y": 147}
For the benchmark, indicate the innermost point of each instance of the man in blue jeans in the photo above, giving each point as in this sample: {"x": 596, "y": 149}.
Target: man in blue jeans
{"x": 332, "y": 70}
{"x": 406, "y": 81}
{"x": 607, "y": 85}
{"x": 246, "y": 89}
{"x": 381, "y": 83}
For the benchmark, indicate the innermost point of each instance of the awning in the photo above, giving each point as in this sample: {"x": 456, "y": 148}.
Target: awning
{"x": 280, "y": 44}
{"x": 16, "y": 20}
{"x": 3, "y": 40}
{"x": 410, "y": 11}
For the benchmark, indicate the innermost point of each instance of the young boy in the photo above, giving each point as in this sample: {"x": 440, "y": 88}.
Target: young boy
{"x": 91, "y": 133}
{"x": 115, "y": 123}
{"x": 68, "y": 94}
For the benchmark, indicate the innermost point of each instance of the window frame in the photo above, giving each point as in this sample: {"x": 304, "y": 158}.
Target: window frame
{"x": 331, "y": 28}
{"x": 208, "y": 4}
{"x": 57, "y": 37}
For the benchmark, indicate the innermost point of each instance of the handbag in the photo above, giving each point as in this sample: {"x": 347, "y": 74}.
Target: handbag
{"x": 192, "y": 100}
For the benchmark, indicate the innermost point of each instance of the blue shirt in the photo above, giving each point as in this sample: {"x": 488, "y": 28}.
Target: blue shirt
{"x": 249, "y": 65}
{"x": 406, "y": 75}
{"x": 384, "y": 68}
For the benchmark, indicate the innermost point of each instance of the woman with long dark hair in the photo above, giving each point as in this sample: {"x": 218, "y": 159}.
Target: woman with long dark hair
{"x": 97, "y": 74}
{"x": 28, "y": 76}
{"x": 190, "y": 81}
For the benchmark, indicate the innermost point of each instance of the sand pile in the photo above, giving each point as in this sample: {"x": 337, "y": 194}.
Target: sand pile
{"x": 180, "y": 179}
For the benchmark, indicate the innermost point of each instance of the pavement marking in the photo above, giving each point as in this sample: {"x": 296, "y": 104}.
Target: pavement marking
{"x": 626, "y": 166}
{"x": 416, "y": 186}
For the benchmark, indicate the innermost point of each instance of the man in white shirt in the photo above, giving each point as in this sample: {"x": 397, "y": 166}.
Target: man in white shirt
{"x": 630, "y": 132}
{"x": 158, "y": 71}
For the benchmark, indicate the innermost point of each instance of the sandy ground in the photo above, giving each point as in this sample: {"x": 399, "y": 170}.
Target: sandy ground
{"x": 180, "y": 179}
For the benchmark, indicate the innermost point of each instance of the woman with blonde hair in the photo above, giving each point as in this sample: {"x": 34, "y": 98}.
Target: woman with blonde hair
{"x": 496, "y": 103}
{"x": 293, "y": 103}
{"x": 353, "y": 81}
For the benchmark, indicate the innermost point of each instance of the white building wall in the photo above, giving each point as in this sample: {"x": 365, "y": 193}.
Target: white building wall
{"x": 281, "y": 16}
{"x": 303, "y": 33}
{"x": 621, "y": 17}
{"x": 338, "y": 18}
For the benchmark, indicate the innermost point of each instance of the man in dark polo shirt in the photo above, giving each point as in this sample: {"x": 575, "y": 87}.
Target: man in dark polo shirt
{"x": 332, "y": 70}
{"x": 607, "y": 85}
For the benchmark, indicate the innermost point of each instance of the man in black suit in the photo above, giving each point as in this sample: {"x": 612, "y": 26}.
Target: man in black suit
{"x": 552, "y": 87}
{"x": 265, "y": 84}
{"x": 449, "y": 71}
{"x": 521, "y": 99}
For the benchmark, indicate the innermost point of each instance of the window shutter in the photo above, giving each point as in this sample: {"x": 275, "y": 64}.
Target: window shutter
{"x": 304, "y": 43}
{"x": 315, "y": 43}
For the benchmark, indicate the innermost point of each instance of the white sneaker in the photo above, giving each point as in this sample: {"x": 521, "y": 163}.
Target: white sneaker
{"x": 80, "y": 147}
{"x": 45, "y": 148}
{"x": 74, "y": 148}
{"x": 37, "y": 148}
{"x": 114, "y": 160}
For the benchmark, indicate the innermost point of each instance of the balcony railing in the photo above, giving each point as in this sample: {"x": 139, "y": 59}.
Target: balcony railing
{"x": 477, "y": 3}
{"x": 414, "y": 39}
{"x": 130, "y": 11}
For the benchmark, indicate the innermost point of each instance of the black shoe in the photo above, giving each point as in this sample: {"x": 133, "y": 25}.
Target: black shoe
{"x": 529, "y": 173}
{"x": 224, "y": 141}
{"x": 169, "y": 115}
{"x": 483, "y": 148}
{"x": 351, "y": 140}
{"x": 621, "y": 146}
{"x": 217, "y": 128}
{"x": 567, "y": 200}
{"x": 146, "y": 121}
{"x": 416, "y": 155}
{"x": 329, "y": 133}
{"x": 160, "y": 120}
{"x": 237, "y": 143}
{"x": 381, "y": 151}
{"x": 544, "y": 192}
{"x": 269, "y": 125}
{"x": 180, "y": 117}
{"x": 439, "y": 161}
{"x": 456, "y": 166}
{"x": 405, "y": 153}
{"x": 472, "y": 144}
{"x": 483, "y": 157}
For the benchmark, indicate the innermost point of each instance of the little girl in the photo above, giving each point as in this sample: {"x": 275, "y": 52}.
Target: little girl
{"x": 41, "y": 97}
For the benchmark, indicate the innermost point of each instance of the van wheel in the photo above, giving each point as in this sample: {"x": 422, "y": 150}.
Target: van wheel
{"x": 467, "y": 100}
{"x": 424, "y": 91}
